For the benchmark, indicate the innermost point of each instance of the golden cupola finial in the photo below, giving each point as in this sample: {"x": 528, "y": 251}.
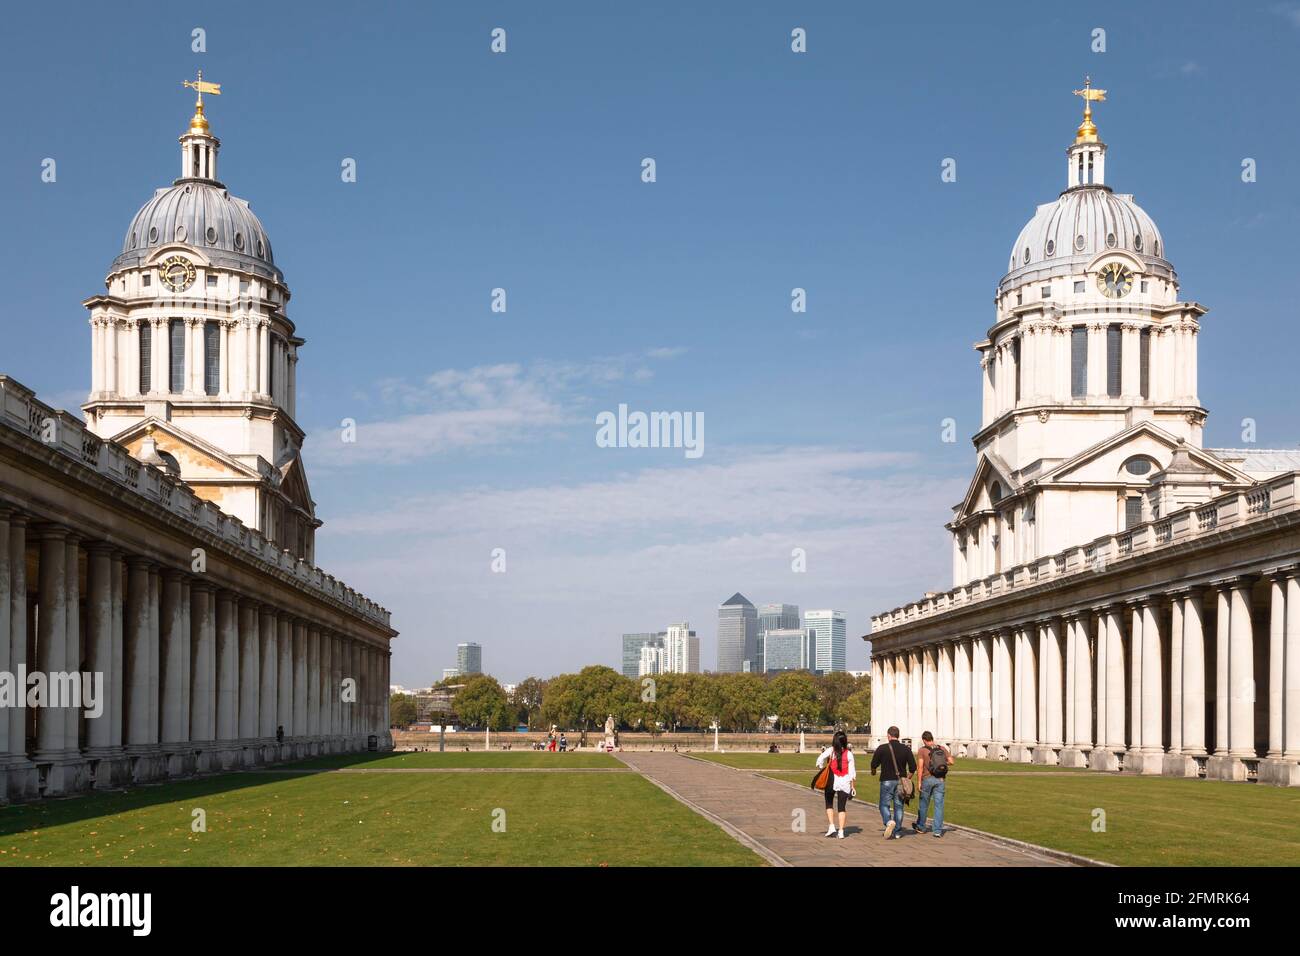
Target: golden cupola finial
{"x": 199, "y": 122}
{"x": 1087, "y": 131}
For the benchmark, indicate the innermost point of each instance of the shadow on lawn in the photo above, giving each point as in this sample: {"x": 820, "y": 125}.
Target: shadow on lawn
{"x": 37, "y": 815}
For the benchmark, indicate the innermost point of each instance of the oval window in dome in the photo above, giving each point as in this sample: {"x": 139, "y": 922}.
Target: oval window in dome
{"x": 153, "y": 233}
{"x": 1026, "y": 255}
{"x": 181, "y": 234}
{"x": 1157, "y": 249}
{"x": 132, "y": 240}
{"x": 1080, "y": 242}
{"x": 260, "y": 249}
{"x": 239, "y": 241}
{"x": 1110, "y": 240}
{"x": 1051, "y": 247}
{"x": 1137, "y": 242}
{"x": 211, "y": 234}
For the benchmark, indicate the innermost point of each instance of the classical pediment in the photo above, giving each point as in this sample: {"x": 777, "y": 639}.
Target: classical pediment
{"x": 293, "y": 485}
{"x": 198, "y": 459}
{"x": 990, "y": 470}
{"x": 1105, "y": 462}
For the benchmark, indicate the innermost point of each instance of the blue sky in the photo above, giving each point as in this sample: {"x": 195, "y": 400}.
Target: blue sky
{"x": 774, "y": 171}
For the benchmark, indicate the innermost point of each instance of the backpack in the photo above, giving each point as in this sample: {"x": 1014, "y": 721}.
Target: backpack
{"x": 937, "y": 762}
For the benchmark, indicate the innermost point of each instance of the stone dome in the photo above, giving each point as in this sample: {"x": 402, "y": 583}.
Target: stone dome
{"x": 200, "y": 213}
{"x": 1084, "y": 222}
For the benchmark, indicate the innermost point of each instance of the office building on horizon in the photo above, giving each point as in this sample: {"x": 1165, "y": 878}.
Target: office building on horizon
{"x": 789, "y": 649}
{"x": 773, "y": 617}
{"x": 831, "y": 640}
{"x": 737, "y": 635}
{"x": 632, "y": 645}
{"x": 469, "y": 658}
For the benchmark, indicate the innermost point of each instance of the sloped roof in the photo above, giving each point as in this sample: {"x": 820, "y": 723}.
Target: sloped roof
{"x": 1260, "y": 459}
{"x": 736, "y": 599}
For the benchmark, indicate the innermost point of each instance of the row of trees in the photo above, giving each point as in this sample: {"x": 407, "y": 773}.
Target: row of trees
{"x": 664, "y": 702}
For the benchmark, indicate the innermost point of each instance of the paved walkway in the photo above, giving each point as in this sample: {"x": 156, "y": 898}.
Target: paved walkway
{"x": 759, "y": 811}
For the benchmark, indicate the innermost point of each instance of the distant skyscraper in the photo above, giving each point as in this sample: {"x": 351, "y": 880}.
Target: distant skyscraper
{"x": 773, "y": 617}
{"x": 737, "y": 635}
{"x": 682, "y": 649}
{"x": 469, "y": 658}
{"x": 632, "y": 644}
{"x": 654, "y": 660}
{"x": 831, "y": 635}
{"x": 448, "y": 673}
{"x": 786, "y": 649}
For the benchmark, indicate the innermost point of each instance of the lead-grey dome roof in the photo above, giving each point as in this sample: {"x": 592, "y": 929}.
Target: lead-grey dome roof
{"x": 1082, "y": 223}
{"x": 202, "y": 214}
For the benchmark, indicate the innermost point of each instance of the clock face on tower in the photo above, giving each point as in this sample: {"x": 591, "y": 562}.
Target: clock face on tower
{"x": 177, "y": 273}
{"x": 1115, "y": 280}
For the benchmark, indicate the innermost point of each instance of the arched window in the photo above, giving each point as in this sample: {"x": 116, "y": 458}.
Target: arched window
{"x": 1138, "y": 468}
{"x": 995, "y": 492}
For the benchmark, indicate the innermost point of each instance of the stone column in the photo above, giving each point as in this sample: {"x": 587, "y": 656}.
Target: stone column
{"x": 72, "y": 634}
{"x": 929, "y": 690}
{"x": 1241, "y": 673}
{"x": 284, "y": 677}
{"x": 1152, "y": 690}
{"x": 1080, "y": 699}
{"x": 1114, "y": 680}
{"x": 155, "y": 612}
{"x": 1277, "y": 768}
{"x": 327, "y": 685}
{"x": 136, "y": 639}
{"x": 313, "y": 682}
{"x": 1018, "y": 686}
{"x": 1002, "y": 681}
{"x": 300, "y": 679}
{"x": 963, "y": 724}
{"x": 172, "y": 662}
{"x": 946, "y": 701}
{"x": 99, "y": 648}
{"x": 1099, "y": 619}
{"x": 250, "y": 682}
{"x": 1291, "y": 697}
{"x": 227, "y": 707}
{"x": 1135, "y": 646}
{"x": 982, "y": 695}
{"x": 1175, "y": 675}
{"x": 22, "y": 781}
{"x": 52, "y": 645}
{"x": 1193, "y": 673}
{"x": 202, "y": 654}
{"x": 1222, "y": 630}
{"x": 6, "y": 663}
{"x": 117, "y": 666}
{"x": 1054, "y": 677}
{"x": 269, "y": 633}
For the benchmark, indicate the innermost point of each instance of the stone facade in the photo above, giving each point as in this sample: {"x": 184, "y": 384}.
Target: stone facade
{"x": 1123, "y": 598}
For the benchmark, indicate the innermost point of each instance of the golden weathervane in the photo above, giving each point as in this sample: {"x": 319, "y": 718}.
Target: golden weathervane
{"x": 1087, "y": 131}
{"x": 199, "y": 123}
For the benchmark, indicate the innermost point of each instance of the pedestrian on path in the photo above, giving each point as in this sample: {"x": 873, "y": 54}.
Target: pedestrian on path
{"x": 934, "y": 761}
{"x": 896, "y": 763}
{"x": 839, "y": 787}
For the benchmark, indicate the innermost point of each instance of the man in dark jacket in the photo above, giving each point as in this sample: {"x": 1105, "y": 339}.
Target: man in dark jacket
{"x": 892, "y": 759}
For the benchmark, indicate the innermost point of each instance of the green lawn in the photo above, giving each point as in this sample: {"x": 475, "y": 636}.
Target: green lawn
{"x": 459, "y": 759}
{"x": 806, "y": 761}
{"x": 384, "y": 819}
{"x": 1149, "y": 821}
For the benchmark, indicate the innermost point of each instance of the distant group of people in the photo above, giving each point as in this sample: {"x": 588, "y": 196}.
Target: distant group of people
{"x": 900, "y": 771}
{"x": 553, "y": 742}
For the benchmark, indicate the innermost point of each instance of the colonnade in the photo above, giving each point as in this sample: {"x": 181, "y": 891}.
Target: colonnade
{"x": 1185, "y": 681}
{"x": 191, "y": 675}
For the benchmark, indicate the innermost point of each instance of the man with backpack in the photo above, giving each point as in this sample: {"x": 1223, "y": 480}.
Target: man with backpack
{"x": 896, "y": 764}
{"x": 934, "y": 760}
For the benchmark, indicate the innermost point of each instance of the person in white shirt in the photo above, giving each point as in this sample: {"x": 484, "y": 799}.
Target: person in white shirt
{"x": 839, "y": 786}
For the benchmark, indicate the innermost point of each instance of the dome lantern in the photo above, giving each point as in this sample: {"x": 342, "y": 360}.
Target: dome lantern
{"x": 198, "y": 145}
{"x": 1087, "y": 155}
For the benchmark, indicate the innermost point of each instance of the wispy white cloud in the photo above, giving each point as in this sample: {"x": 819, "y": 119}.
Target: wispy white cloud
{"x": 404, "y": 420}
